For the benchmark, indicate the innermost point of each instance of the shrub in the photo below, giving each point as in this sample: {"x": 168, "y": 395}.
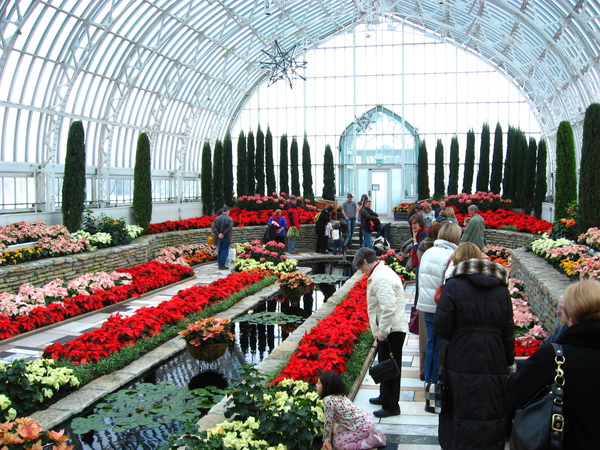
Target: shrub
{"x": 73, "y": 187}
{"x": 540, "y": 180}
{"x": 218, "y": 192}
{"x": 566, "y": 170}
{"x": 483, "y": 174}
{"x": 307, "y": 180}
{"x": 439, "y": 186}
{"x": 496, "y": 177}
{"x": 328, "y": 175}
{"x": 454, "y": 164}
{"x": 142, "y": 183}
{"x": 249, "y": 169}
{"x": 227, "y": 169}
{"x": 423, "y": 172}
{"x": 206, "y": 180}
{"x": 269, "y": 165}
{"x": 284, "y": 181}
{"x": 469, "y": 163}
{"x": 295, "y": 168}
{"x": 589, "y": 184}
{"x": 241, "y": 167}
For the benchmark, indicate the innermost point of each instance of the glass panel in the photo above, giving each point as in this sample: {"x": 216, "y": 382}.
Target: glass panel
{"x": 380, "y": 192}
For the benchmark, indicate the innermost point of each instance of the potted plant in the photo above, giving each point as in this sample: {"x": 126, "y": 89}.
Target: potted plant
{"x": 401, "y": 211}
{"x": 294, "y": 284}
{"x": 207, "y": 339}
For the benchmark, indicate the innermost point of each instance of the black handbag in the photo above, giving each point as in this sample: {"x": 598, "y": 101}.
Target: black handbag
{"x": 540, "y": 423}
{"x": 385, "y": 370}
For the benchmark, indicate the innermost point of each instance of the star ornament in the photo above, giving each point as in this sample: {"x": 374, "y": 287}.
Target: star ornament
{"x": 363, "y": 123}
{"x": 283, "y": 65}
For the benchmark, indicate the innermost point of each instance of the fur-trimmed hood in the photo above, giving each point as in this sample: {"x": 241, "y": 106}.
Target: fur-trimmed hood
{"x": 482, "y": 272}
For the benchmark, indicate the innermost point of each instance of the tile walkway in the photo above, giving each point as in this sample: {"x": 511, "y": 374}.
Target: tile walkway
{"x": 413, "y": 429}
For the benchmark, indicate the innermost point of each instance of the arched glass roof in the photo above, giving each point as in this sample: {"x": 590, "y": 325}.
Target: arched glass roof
{"x": 182, "y": 70}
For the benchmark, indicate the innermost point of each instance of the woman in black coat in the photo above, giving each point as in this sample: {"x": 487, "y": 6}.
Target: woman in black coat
{"x": 581, "y": 345}
{"x": 321, "y": 230}
{"x": 475, "y": 315}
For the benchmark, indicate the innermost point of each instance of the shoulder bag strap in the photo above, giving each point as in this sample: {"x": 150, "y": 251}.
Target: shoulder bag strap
{"x": 558, "y": 420}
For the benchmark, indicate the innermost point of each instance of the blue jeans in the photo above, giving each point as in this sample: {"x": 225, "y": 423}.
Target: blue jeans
{"x": 291, "y": 244}
{"x": 351, "y": 224}
{"x": 337, "y": 246}
{"x": 223, "y": 250}
{"x": 367, "y": 239}
{"x": 432, "y": 357}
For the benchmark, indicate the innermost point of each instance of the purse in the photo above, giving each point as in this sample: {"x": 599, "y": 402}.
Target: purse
{"x": 413, "y": 324}
{"x": 385, "y": 370}
{"x": 438, "y": 293}
{"x": 435, "y": 396}
{"x": 211, "y": 239}
{"x": 540, "y": 423}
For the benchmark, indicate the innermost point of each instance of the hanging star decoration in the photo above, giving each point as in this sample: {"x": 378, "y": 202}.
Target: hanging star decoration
{"x": 363, "y": 123}
{"x": 283, "y": 64}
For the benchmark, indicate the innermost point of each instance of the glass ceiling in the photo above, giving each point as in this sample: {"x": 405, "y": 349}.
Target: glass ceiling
{"x": 184, "y": 69}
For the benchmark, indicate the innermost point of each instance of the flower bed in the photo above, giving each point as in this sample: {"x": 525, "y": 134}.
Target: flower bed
{"x": 118, "y": 331}
{"x": 485, "y": 201}
{"x": 144, "y": 278}
{"x": 187, "y": 255}
{"x": 502, "y": 218}
{"x": 398, "y": 264}
{"x": 269, "y": 256}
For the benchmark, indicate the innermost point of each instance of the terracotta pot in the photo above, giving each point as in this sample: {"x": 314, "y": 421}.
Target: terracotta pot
{"x": 207, "y": 352}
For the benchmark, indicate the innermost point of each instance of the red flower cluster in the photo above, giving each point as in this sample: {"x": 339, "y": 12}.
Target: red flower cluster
{"x": 523, "y": 349}
{"x": 146, "y": 277}
{"x": 118, "y": 331}
{"x": 523, "y": 222}
{"x": 329, "y": 344}
{"x": 241, "y": 218}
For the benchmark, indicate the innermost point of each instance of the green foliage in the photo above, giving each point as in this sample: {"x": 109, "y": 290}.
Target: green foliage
{"x": 218, "y": 192}
{"x": 259, "y": 166}
{"x": 565, "y": 227}
{"x": 269, "y": 318}
{"x": 328, "y": 175}
{"x": 142, "y": 183}
{"x": 541, "y": 184}
{"x": 509, "y": 182}
{"x": 439, "y": 190}
{"x": 250, "y": 155}
{"x": 105, "y": 224}
{"x": 149, "y": 406}
{"x": 307, "y": 180}
{"x": 242, "y": 179}
{"x": 295, "y": 168}
{"x": 206, "y": 181}
{"x": 284, "y": 183}
{"x": 483, "y": 173}
{"x": 269, "y": 165}
{"x": 528, "y": 179}
{"x": 228, "y": 170}
{"x": 423, "y": 172}
{"x": 497, "y": 158}
{"x": 566, "y": 170}
{"x": 454, "y": 164}
{"x": 73, "y": 187}
{"x": 16, "y": 386}
{"x": 520, "y": 158}
{"x": 355, "y": 363}
{"x": 509, "y": 228}
{"x": 589, "y": 182}
{"x": 469, "y": 163}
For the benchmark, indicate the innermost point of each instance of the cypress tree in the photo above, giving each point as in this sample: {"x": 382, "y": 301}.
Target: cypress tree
{"x": 73, "y": 187}
{"x": 307, "y": 180}
{"x": 454, "y": 165}
{"x": 566, "y": 170}
{"x": 528, "y": 183}
{"x": 469, "y": 163}
{"x": 228, "y": 170}
{"x": 520, "y": 159}
{"x": 541, "y": 184}
{"x": 589, "y": 183}
{"x": 250, "y": 155}
{"x": 142, "y": 183}
{"x": 423, "y": 172}
{"x": 269, "y": 165}
{"x": 295, "y": 168}
{"x": 206, "y": 181}
{"x": 483, "y": 173}
{"x": 218, "y": 191}
{"x": 259, "y": 167}
{"x": 284, "y": 183}
{"x": 509, "y": 183}
{"x": 496, "y": 177}
{"x": 241, "y": 165}
{"x": 328, "y": 175}
{"x": 439, "y": 188}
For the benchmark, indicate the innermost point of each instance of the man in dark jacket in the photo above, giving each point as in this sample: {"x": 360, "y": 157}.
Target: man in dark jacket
{"x": 368, "y": 218}
{"x": 222, "y": 227}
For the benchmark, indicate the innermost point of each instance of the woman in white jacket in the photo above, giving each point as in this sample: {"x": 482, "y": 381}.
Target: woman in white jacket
{"x": 431, "y": 275}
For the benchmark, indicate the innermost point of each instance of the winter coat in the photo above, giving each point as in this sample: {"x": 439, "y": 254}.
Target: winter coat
{"x": 321, "y": 225}
{"x": 293, "y": 220}
{"x": 385, "y": 301}
{"x": 475, "y": 232}
{"x": 366, "y": 215}
{"x": 475, "y": 315}
{"x": 581, "y": 344}
{"x": 431, "y": 273}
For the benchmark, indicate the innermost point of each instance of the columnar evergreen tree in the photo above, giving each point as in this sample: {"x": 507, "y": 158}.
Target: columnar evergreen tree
{"x": 497, "y": 158}
{"x": 218, "y": 191}
{"x": 228, "y": 170}
{"x": 142, "y": 183}
{"x": 528, "y": 180}
{"x": 469, "y": 163}
{"x": 589, "y": 183}
{"x": 250, "y": 155}
{"x": 259, "y": 167}
{"x": 206, "y": 181}
{"x": 295, "y": 168}
{"x": 454, "y": 165}
{"x": 483, "y": 173}
{"x": 284, "y": 180}
{"x": 73, "y": 188}
{"x": 269, "y": 165}
{"x": 521, "y": 168}
{"x": 307, "y": 180}
{"x": 541, "y": 184}
{"x": 439, "y": 185}
{"x": 241, "y": 177}
{"x": 509, "y": 182}
{"x": 423, "y": 172}
{"x": 566, "y": 170}
{"x": 328, "y": 175}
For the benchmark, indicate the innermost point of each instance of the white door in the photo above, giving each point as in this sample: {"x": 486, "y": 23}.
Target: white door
{"x": 379, "y": 191}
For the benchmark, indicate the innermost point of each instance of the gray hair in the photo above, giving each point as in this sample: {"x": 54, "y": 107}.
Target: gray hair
{"x": 473, "y": 208}
{"x": 363, "y": 254}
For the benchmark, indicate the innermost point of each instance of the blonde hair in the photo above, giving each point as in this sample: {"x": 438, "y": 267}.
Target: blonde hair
{"x": 427, "y": 208}
{"x": 450, "y": 232}
{"x": 464, "y": 252}
{"x": 277, "y": 211}
{"x": 582, "y": 301}
{"x": 450, "y": 212}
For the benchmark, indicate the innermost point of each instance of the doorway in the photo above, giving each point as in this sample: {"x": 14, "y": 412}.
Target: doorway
{"x": 379, "y": 192}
